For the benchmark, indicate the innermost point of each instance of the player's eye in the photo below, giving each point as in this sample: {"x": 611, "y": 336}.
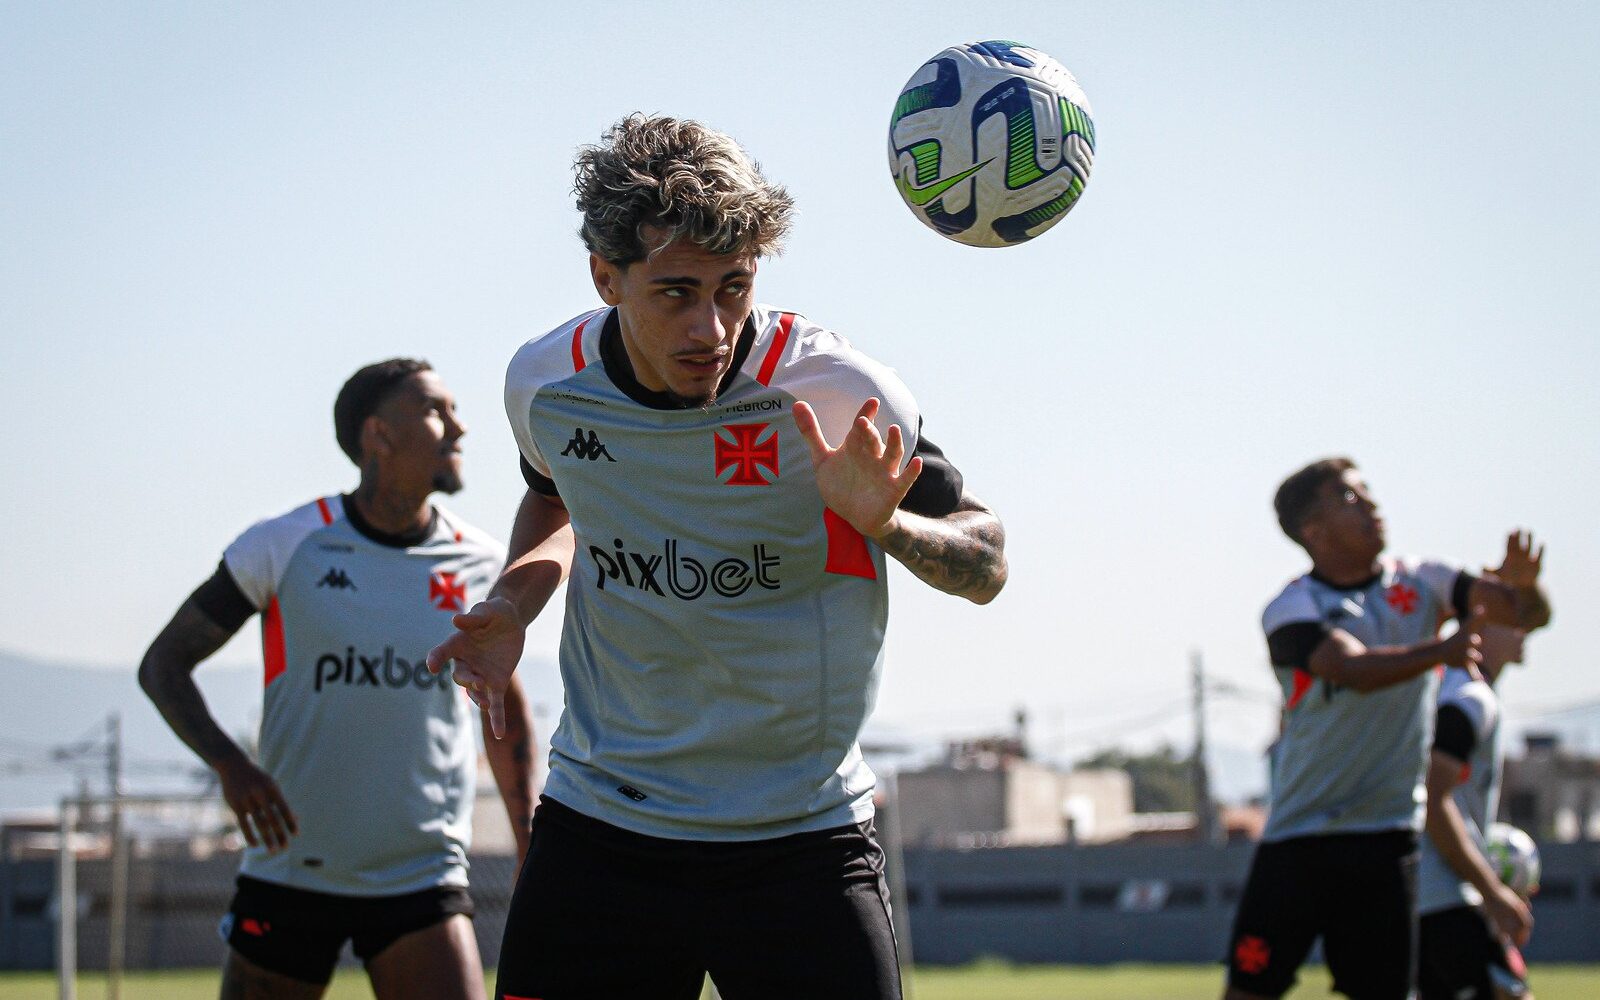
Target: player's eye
{"x": 738, "y": 290}
{"x": 675, "y": 293}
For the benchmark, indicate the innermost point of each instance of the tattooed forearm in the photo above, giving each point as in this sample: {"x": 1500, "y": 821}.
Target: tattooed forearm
{"x": 511, "y": 758}
{"x": 167, "y": 677}
{"x": 962, "y": 553}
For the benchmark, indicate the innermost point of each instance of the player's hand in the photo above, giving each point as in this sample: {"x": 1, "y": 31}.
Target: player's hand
{"x": 257, "y": 802}
{"x": 1465, "y": 648}
{"x": 1520, "y": 567}
{"x": 486, "y": 648}
{"x": 1510, "y": 915}
{"x": 861, "y": 480}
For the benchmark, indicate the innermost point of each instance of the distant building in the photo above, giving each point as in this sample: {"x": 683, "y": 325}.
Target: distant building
{"x": 1552, "y": 793}
{"x": 988, "y": 792}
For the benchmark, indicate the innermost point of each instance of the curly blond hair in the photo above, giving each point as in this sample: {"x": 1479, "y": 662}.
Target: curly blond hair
{"x": 681, "y": 177}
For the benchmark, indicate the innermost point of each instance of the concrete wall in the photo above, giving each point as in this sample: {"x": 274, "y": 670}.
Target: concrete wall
{"x": 1151, "y": 903}
{"x": 1090, "y": 904}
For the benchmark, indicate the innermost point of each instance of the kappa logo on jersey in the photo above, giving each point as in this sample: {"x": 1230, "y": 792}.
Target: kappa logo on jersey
{"x": 685, "y": 576}
{"x": 1252, "y": 955}
{"x": 1402, "y": 598}
{"x": 745, "y": 451}
{"x": 445, "y": 593}
{"x": 386, "y": 670}
{"x": 586, "y": 447}
{"x": 338, "y": 580}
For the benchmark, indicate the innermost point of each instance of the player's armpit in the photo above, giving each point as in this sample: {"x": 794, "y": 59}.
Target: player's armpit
{"x": 962, "y": 553}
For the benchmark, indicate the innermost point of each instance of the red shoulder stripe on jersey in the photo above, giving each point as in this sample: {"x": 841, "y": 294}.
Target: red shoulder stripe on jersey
{"x": 577, "y": 347}
{"x": 1302, "y": 683}
{"x": 847, "y": 548}
{"x": 322, "y": 508}
{"x": 272, "y": 658}
{"x": 780, "y": 339}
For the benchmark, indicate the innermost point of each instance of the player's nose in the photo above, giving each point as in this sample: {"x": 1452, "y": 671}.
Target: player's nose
{"x": 707, "y": 327}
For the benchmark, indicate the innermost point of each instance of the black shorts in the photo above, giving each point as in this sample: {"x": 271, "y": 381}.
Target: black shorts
{"x": 299, "y": 933}
{"x": 1356, "y": 891}
{"x": 600, "y": 912}
{"x": 1461, "y": 958}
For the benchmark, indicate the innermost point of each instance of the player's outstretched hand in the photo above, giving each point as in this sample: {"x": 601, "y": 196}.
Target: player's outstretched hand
{"x": 861, "y": 480}
{"x": 486, "y": 648}
{"x": 1465, "y": 648}
{"x": 1520, "y": 567}
{"x": 258, "y": 804}
{"x": 1510, "y": 914}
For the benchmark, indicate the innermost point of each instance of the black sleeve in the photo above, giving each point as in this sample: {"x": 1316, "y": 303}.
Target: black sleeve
{"x": 1461, "y": 594}
{"x": 1453, "y": 733}
{"x": 221, "y": 600}
{"x": 542, "y": 485}
{"x": 937, "y": 491}
{"x": 1291, "y": 645}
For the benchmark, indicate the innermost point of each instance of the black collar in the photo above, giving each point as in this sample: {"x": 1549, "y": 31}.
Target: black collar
{"x": 1361, "y": 585}
{"x": 614, "y": 354}
{"x": 405, "y": 540}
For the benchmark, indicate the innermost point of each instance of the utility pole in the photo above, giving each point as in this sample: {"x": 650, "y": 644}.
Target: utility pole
{"x": 1207, "y": 828}
{"x": 119, "y": 861}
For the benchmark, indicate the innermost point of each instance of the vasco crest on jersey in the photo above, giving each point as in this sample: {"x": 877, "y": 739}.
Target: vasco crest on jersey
{"x": 746, "y": 449}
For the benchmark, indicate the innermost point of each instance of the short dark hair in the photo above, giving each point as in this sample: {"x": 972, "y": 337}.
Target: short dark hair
{"x": 1297, "y": 497}
{"x": 363, "y": 393}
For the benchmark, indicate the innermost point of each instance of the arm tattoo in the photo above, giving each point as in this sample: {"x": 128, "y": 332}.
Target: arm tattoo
{"x": 962, "y": 553}
{"x": 167, "y": 676}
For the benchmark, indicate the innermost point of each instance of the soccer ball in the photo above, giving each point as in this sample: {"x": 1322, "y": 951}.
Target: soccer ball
{"x": 991, "y": 143}
{"x": 1515, "y": 858}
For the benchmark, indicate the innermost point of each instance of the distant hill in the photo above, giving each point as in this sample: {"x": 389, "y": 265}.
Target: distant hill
{"x": 49, "y": 704}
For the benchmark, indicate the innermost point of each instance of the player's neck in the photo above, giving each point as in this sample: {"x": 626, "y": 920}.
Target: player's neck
{"x": 1341, "y": 570}
{"x": 391, "y": 511}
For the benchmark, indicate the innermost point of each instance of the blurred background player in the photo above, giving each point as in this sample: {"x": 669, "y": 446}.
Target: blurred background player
{"x": 1471, "y": 922}
{"x": 359, "y": 815}
{"x": 708, "y": 808}
{"x": 1354, "y": 643}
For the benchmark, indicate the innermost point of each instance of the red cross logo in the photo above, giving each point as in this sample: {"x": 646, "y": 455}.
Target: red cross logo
{"x": 1402, "y": 598}
{"x": 1252, "y": 955}
{"x": 740, "y": 452}
{"x": 445, "y": 593}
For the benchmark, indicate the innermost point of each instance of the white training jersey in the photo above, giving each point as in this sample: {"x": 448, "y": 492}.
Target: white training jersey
{"x": 1468, "y": 729}
{"x": 375, "y": 755}
{"x": 1348, "y": 761}
{"x": 724, "y": 630}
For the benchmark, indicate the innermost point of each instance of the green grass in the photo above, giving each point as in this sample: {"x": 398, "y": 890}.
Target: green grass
{"x": 982, "y": 981}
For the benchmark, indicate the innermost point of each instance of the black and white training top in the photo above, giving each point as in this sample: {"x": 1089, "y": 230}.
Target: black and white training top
{"x": 1467, "y": 728}
{"x": 724, "y": 630}
{"x": 1347, "y": 761}
{"x": 376, "y": 756}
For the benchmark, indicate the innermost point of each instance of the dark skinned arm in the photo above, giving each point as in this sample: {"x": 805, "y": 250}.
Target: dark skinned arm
{"x": 167, "y": 676}
{"x": 1342, "y": 659}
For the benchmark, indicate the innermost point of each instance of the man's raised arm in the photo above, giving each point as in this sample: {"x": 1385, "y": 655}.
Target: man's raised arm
{"x": 487, "y": 644}
{"x": 961, "y": 553}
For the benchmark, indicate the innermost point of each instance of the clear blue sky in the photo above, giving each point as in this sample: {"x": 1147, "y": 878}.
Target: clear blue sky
{"x": 1362, "y": 228}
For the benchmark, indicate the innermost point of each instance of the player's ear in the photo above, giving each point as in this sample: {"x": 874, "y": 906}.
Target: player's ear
{"x": 374, "y": 437}
{"x": 607, "y": 279}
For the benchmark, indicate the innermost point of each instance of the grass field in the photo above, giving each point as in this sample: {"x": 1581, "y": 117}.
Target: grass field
{"x": 984, "y": 981}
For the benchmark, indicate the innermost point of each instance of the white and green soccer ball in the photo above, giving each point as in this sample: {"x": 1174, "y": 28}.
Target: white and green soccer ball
{"x": 991, "y": 143}
{"x": 1515, "y": 858}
